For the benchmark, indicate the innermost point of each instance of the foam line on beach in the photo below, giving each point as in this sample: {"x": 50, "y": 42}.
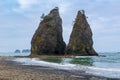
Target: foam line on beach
{"x": 35, "y": 61}
{"x": 106, "y": 72}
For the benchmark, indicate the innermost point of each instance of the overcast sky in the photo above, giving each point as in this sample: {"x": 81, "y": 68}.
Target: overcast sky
{"x": 20, "y": 18}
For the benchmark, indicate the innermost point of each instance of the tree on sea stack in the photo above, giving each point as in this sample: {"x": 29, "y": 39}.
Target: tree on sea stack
{"x": 42, "y": 16}
{"x": 48, "y": 39}
{"x": 81, "y": 42}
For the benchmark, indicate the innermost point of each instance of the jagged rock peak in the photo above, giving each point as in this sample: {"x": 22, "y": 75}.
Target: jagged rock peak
{"x": 48, "y": 39}
{"x": 81, "y": 42}
{"x": 55, "y": 10}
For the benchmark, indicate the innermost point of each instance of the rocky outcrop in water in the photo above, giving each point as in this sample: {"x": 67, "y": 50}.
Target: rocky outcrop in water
{"x": 81, "y": 42}
{"x": 17, "y": 51}
{"x": 48, "y": 39}
{"x": 25, "y": 51}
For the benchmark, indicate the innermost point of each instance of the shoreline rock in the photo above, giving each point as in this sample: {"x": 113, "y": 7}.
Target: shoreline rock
{"x": 48, "y": 39}
{"x": 81, "y": 42}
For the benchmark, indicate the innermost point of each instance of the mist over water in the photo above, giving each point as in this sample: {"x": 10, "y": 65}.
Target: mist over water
{"x": 13, "y": 54}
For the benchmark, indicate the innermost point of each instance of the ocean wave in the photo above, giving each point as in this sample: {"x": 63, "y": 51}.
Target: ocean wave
{"x": 106, "y": 72}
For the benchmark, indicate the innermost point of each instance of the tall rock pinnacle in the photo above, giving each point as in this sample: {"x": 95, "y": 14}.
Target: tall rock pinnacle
{"x": 48, "y": 39}
{"x": 81, "y": 42}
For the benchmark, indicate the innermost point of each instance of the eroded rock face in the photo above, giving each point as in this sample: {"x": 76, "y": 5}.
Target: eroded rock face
{"x": 48, "y": 39}
{"x": 81, "y": 42}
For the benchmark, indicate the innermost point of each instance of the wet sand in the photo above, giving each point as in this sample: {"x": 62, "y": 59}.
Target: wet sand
{"x": 10, "y": 70}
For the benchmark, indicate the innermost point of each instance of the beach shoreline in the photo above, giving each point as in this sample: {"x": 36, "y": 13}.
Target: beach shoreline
{"x": 11, "y": 70}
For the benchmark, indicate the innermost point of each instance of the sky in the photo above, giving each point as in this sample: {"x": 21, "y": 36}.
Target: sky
{"x": 20, "y": 18}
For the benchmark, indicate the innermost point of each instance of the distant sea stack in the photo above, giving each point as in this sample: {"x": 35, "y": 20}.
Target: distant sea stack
{"x": 81, "y": 42}
{"x": 48, "y": 39}
{"x": 17, "y": 51}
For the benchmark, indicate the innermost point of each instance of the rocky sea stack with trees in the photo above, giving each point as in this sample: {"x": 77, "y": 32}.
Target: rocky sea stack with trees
{"x": 81, "y": 42}
{"x": 48, "y": 39}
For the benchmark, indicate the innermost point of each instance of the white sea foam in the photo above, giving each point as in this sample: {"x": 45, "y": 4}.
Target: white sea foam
{"x": 106, "y": 72}
{"x": 36, "y": 61}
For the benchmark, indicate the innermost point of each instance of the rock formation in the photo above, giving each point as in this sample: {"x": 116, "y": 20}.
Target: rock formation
{"x": 17, "y": 51}
{"x": 81, "y": 42}
{"x": 25, "y": 51}
{"x": 48, "y": 39}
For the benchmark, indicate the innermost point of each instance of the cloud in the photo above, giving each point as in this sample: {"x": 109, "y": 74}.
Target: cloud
{"x": 25, "y": 4}
{"x": 64, "y": 7}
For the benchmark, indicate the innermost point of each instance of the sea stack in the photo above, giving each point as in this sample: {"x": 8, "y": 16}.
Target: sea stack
{"x": 48, "y": 39}
{"x": 81, "y": 42}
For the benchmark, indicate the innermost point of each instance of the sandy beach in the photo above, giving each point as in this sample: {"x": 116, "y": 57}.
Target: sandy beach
{"x": 10, "y": 70}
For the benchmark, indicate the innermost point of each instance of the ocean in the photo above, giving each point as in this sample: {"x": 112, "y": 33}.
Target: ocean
{"x": 107, "y": 65}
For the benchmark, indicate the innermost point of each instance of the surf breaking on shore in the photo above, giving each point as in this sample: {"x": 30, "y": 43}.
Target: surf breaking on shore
{"x": 98, "y": 71}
